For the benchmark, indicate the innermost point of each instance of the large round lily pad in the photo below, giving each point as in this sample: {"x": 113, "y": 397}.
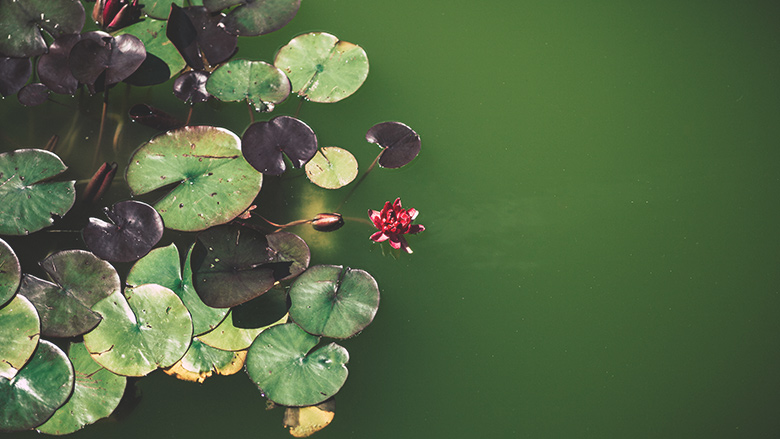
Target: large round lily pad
{"x": 23, "y": 22}
{"x": 332, "y": 168}
{"x": 10, "y": 272}
{"x": 202, "y": 361}
{"x": 20, "y": 329}
{"x": 334, "y": 301}
{"x": 281, "y": 364}
{"x": 232, "y": 264}
{"x": 96, "y": 394}
{"x": 255, "y": 17}
{"x": 27, "y": 193}
{"x": 40, "y": 388}
{"x": 260, "y": 83}
{"x": 134, "y": 229}
{"x": 162, "y": 266}
{"x": 212, "y": 181}
{"x": 147, "y": 328}
{"x": 321, "y": 67}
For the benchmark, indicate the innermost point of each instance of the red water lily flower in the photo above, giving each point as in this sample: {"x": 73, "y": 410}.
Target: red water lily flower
{"x": 393, "y": 222}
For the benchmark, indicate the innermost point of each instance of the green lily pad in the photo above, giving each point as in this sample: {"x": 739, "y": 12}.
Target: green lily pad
{"x": 146, "y": 328}
{"x": 260, "y": 83}
{"x": 252, "y": 17}
{"x": 10, "y": 272}
{"x": 20, "y": 329}
{"x": 40, "y": 388}
{"x": 151, "y": 32}
{"x": 160, "y": 9}
{"x": 81, "y": 279}
{"x": 28, "y": 196}
{"x": 213, "y": 182}
{"x": 280, "y": 363}
{"x": 334, "y": 301}
{"x": 332, "y": 168}
{"x": 23, "y": 22}
{"x": 162, "y": 266}
{"x": 232, "y": 264}
{"x": 322, "y": 68}
{"x": 202, "y": 361}
{"x": 229, "y": 337}
{"x": 96, "y": 394}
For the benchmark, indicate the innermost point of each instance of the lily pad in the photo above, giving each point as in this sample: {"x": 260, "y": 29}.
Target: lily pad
{"x": 19, "y": 333}
{"x": 23, "y": 23}
{"x": 213, "y": 181}
{"x": 260, "y": 83}
{"x": 202, "y": 361}
{"x": 27, "y": 193}
{"x": 252, "y": 18}
{"x": 134, "y": 229}
{"x": 41, "y": 387}
{"x": 96, "y": 393}
{"x": 264, "y": 143}
{"x": 99, "y": 60}
{"x": 229, "y": 337}
{"x": 160, "y": 9}
{"x": 162, "y": 266}
{"x": 146, "y": 328}
{"x": 401, "y": 144}
{"x": 281, "y": 364}
{"x": 334, "y": 301}
{"x": 305, "y": 421}
{"x": 54, "y": 68}
{"x": 322, "y": 68}
{"x": 332, "y": 168}
{"x": 10, "y": 272}
{"x": 33, "y": 94}
{"x": 14, "y": 73}
{"x": 232, "y": 264}
{"x": 191, "y": 86}
{"x": 81, "y": 280}
{"x": 199, "y": 37}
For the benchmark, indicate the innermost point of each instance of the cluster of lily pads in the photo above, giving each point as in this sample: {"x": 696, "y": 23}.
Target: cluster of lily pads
{"x": 239, "y": 296}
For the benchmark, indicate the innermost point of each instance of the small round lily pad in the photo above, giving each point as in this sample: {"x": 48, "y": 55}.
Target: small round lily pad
{"x": 264, "y": 142}
{"x": 41, "y": 387}
{"x": 332, "y": 168}
{"x": 260, "y": 83}
{"x": 20, "y": 329}
{"x": 401, "y": 144}
{"x": 281, "y": 363}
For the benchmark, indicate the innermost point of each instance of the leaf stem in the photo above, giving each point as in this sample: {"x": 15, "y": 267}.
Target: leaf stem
{"x": 251, "y": 112}
{"x": 300, "y": 104}
{"x": 102, "y": 126}
{"x": 363, "y": 177}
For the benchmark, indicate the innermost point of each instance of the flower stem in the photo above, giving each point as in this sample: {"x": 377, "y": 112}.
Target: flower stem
{"x": 102, "y": 126}
{"x": 189, "y": 115}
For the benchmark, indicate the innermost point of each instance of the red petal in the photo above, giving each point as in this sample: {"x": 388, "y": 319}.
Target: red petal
{"x": 405, "y": 245}
{"x": 378, "y": 237}
{"x": 412, "y": 213}
{"x": 376, "y": 218}
{"x": 395, "y": 241}
{"x": 416, "y": 228}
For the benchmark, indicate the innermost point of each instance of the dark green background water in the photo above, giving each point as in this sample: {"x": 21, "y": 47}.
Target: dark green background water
{"x": 599, "y": 184}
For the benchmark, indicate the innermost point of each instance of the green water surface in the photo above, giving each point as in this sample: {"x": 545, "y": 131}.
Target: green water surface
{"x": 599, "y": 186}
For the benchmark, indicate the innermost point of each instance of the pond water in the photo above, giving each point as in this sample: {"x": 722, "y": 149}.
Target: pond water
{"x": 599, "y": 186}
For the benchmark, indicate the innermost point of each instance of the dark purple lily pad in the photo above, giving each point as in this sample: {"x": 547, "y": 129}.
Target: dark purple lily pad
{"x": 105, "y": 60}
{"x": 135, "y": 228}
{"x": 264, "y": 142}
{"x": 14, "y": 73}
{"x": 33, "y": 94}
{"x": 401, "y": 144}
{"x": 198, "y": 35}
{"x": 191, "y": 86}
{"x": 54, "y": 67}
{"x": 232, "y": 265}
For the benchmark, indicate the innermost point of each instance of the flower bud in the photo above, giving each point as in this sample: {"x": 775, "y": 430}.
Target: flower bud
{"x": 327, "y": 222}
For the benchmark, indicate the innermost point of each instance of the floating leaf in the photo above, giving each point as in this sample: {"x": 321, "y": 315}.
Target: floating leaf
{"x": 202, "y": 361}
{"x": 199, "y": 37}
{"x": 10, "y": 272}
{"x": 252, "y": 18}
{"x": 332, "y": 168}
{"x": 232, "y": 265}
{"x": 146, "y": 328}
{"x": 214, "y": 183}
{"x": 334, "y": 301}
{"x": 100, "y": 60}
{"x": 322, "y": 68}
{"x": 229, "y": 337}
{"x": 260, "y": 83}
{"x": 162, "y": 266}
{"x": 162, "y": 61}
{"x": 134, "y": 229}
{"x": 33, "y": 94}
{"x": 264, "y": 143}
{"x": 23, "y": 22}
{"x": 28, "y": 195}
{"x": 160, "y": 9}
{"x": 40, "y": 388}
{"x": 401, "y": 144}
{"x": 305, "y": 421}
{"x": 14, "y": 73}
{"x": 96, "y": 394}
{"x": 281, "y": 364}
{"x": 191, "y": 86}
{"x": 19, "y": 333}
